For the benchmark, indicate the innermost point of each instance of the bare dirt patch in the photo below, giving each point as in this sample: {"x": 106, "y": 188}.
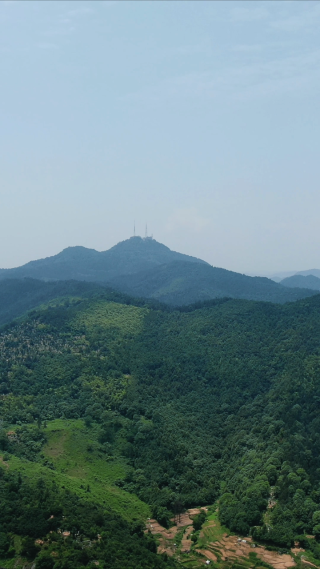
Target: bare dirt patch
{"x": 184, "y": 520}
{"x": 233, "y": 547}
{"x": 157, "y": 529}
{"x": 208, "y": 554}
{"x": 194, "y": 511}
{"x": 226, "y": 548}
{"x": 186, "y": 542}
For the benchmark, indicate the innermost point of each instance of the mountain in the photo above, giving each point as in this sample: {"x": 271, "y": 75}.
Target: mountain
{"x": 280, "y": 276}
{"x": 121, "y": 411}
{"x": 314, "y": 272}
{"x": 17, "y": 296}
{"x": 301, "y": 281}
{"x": 146, "y": 268}
{"x": 180, "y": 283}
{"x": 277, "y": 277}
{"x": 79, "y": 263}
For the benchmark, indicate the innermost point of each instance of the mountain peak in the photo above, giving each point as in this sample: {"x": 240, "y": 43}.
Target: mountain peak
{"x": 83, "y": 264}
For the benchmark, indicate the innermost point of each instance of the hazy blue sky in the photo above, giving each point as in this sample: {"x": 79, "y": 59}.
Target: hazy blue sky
{"x": 201, "y": 118}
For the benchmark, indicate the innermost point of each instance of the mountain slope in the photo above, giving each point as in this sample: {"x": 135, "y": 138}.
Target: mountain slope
{"x": 184, "y": 398}
{"x": 79, "y": 263}
{"x": 301, "y": 281}
{"x": 17, "y": 296}
{"x": 180, "y": 283}
{"x": 143, "y": 268}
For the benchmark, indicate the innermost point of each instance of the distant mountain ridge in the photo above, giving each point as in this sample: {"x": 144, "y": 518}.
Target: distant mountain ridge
{"x": 145, "y": 268}
{"x": 180, "y": 283}
{"x": 279, "y": 277}
{"x": 302, "y": 281}
{"x": 314, "y": 272}
{"x": 79, "y": 263}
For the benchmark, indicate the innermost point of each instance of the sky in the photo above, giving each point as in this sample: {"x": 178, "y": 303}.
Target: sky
{"x": 200, "y": 119}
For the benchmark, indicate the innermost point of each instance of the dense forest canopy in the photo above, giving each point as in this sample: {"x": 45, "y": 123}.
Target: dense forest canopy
{"x": 215, "y": 401}
{"x": 74, "y": 533}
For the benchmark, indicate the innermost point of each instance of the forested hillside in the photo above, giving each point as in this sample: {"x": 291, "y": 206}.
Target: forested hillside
{"x": 79, "y": 263}
{"x": 139, "y": 267}
{"x": 76, "y": 533}
{"x": 301, "y": 281}
{"x": 219, "y": 402}
{"x": 17, "y": 296}
{"x": 180, "y": 283}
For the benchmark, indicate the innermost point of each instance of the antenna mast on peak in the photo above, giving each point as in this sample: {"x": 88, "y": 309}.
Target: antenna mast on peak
{"x": 146, "y": 234}
{"x": 134, "y": 228}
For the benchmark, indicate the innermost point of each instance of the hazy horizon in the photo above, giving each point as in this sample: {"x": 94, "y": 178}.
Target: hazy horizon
{"x": 200, "y": 119}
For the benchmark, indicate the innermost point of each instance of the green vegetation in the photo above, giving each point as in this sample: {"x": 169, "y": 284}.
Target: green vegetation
{"x": 212, "y": 530}
{"x": 180, "y": 283}
{"x": 301, "y": 281}
{"x": 73, "y": 533}
{"x": 82, "y": 264}
{"x": 199, "y": 521}
{"x": 74, "y": 459}
{"x": 139, "y": 267}
{"x": 141, "y": 410}
{"x": 17, "y": 296}
{"x": 76, "y": 452}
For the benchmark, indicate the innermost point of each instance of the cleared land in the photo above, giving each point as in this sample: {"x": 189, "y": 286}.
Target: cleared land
{"x": 81, "y": 468}
{"x": 214, "y": 544}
